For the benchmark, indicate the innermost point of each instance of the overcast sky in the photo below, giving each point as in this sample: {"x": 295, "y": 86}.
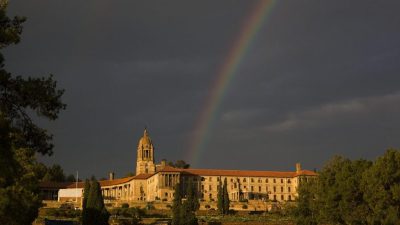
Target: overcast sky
{"x": 321, "y": 78}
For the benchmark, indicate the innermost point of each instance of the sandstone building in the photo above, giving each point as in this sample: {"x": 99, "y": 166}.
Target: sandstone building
{"x": 154, "y": 182}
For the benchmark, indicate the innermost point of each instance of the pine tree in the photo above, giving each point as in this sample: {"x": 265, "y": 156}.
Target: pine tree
{"x": 86, "y": 191}
{"x": 184, "y": 213}
{"x": 225, "y": 197}
{"x": 20, "y": 136}
{"x": 95, "y": 212}
{"x": 192, "y": 200}
{"x": 190, "y": 206}
{"x": 177, "y": 206}
{"x": 220, "y": 198}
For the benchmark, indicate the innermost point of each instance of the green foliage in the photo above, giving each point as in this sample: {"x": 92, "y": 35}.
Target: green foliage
{"x": 304, "y": 212}
{"x": 177, "y": 206}
{"x": 352, "y": 192}
{"x": 86, "y": 191}
{"x": 184, "y": 213}
{"x": 223, "y": 198}
{"x": 179, "y": 164}
{"x": 131, "y": 216}
{"x": 70, "y": 178}
{"x": 381, "y": 184}
{"x": 94, "y": 212}
{"x": 192, "y": 201}
{"x": 125, "y": 205}
{"x": 54, "y": 173}
{"x": 20, "y": 137}
{"x": 220, "y": 198}
{"x": 65, "y": 213}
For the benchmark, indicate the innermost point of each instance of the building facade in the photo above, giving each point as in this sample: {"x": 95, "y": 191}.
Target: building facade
{"x": 154, "y": 182}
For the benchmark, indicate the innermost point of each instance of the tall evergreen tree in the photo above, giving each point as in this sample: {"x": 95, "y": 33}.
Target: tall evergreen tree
{"x": 86, "y": 191}
{"x": 95, "y": 211}
{"x": 184, "y": 213}
{"x": 220, "y": 198}
{"x": 225, "y": 197}
{"x": 192, "y": 200}
{"x": 177, "y": 206}
{"x": 190, "y": 206}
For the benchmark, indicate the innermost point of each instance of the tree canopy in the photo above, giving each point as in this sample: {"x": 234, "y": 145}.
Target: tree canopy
{"x": 20, "y": 137}
{"x": 94, "y": 212}
{"x": 183, "y": 213}
{"x": 223, "y": 198}
{"x": 179, "y": 164}
{"x": 353, "y": 192}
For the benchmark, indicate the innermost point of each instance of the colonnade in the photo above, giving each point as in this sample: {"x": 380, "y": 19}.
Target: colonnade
{"x": 120, "y": 192}
{"x": 168, "y": 180}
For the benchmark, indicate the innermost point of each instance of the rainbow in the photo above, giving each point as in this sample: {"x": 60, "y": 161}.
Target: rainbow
{"x": 226, "y": 73}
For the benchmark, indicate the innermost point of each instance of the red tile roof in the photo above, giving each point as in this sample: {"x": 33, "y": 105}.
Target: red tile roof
{"x": 238, "y": 173}
{"x": 198, "y": 172}
{"x": 142, "y": 176}
{"x": 62, "y": 185}
{"x": 53, "y": 185}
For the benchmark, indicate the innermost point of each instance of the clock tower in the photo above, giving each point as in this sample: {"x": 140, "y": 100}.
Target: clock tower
{"x": 145, "y": 155}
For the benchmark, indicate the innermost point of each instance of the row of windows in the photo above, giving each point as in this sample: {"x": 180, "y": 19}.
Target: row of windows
{"x": 275, "y": 197}
{"x": 252, "y": 180}
{"x": 251, "y": 188}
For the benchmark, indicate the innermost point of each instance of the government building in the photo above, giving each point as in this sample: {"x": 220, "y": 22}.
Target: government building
{"x": 156, "y": 182}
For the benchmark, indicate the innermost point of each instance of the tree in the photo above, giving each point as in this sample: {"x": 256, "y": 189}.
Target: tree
{"x": 86, "y": 191}
{"x": 190, "y": 206}
{"x": 220, "y": 198}
{"x": 70, "y": 178}
{"x": 335, "y": 196}
{"x": 55, "y": 173}
{"x": 184, "y": 213}
{"x": 94, "y": 210}
{"x": 177, "y": 206}
{"x": 179, "y": 164}
{"x": 225, "y": 197}
{"x": 304, "y": 211}
{"x": 20, "y": 137}
{"x": 381, "y": 186}
{"x": 192, "y": 201}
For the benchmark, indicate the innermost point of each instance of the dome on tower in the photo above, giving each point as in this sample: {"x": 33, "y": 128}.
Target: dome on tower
{"x": 145, "y": 141}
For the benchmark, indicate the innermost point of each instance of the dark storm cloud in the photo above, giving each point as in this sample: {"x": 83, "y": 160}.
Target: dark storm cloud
{"x": 320, "y": 78}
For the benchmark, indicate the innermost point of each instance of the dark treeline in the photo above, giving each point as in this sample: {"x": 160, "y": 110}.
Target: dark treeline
{"x": 353, "y": 192}
{"x": 53, "y": 173}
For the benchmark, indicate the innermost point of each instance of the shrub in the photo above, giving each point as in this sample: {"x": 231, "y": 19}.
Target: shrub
{"x": 125, "y": 205}
{"x": 169, "y": 206}
{"x": 150, "y": 206}
{"x": 66, "y": 213}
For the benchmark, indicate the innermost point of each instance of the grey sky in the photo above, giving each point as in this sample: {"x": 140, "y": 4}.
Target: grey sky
{"x": 320, "y": 78}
